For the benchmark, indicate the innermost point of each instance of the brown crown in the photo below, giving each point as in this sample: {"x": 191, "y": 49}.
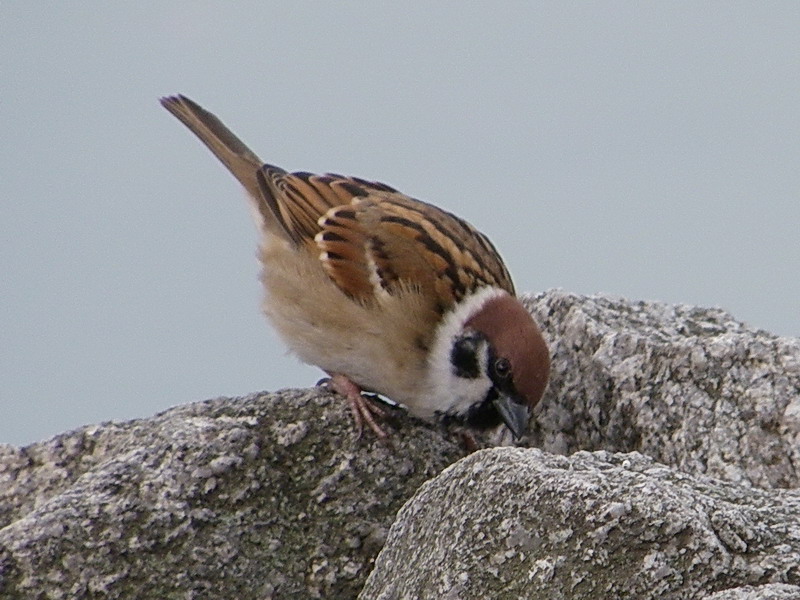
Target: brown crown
{"x": 514, "y": 335}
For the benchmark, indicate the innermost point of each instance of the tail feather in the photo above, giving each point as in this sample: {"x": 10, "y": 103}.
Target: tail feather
{"x": 231, "y": 151}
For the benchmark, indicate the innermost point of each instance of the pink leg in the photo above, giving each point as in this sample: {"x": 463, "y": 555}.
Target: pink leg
{"x": 362, "y": 408}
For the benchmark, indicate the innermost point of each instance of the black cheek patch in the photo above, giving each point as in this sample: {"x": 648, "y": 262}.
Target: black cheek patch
{"x": 464, "y": 357}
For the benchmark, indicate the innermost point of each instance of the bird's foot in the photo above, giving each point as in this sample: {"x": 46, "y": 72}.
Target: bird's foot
{"x": 363, "y": 408}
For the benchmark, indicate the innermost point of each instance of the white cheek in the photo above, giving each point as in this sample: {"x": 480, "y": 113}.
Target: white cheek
{"x": 454, "y": 394}
{"x": 466, "y": 392}
{"x": 448, "y": 392}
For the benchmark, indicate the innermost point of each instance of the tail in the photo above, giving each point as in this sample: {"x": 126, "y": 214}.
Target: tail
{"x": 232, "y": 152}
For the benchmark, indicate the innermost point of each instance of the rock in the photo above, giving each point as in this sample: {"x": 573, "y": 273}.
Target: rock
{"x": 694, "y": 417}
{"x": 520, "y": 523}
{"x": 690, "y": 387}
{"x": 260, "y": 497}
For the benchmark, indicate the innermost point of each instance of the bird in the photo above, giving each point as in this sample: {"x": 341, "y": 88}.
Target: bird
{"x": 387, "y": 294}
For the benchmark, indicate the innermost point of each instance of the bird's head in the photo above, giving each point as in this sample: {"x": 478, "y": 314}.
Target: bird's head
{"x": 490, "y": 363}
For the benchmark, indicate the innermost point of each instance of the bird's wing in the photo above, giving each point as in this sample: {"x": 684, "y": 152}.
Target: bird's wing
{"x": 299, "y": 200}
{"x": 383, "y": 241}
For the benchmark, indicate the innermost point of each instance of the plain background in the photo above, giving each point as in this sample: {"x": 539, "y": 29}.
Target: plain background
{"x": 647, "y": 150}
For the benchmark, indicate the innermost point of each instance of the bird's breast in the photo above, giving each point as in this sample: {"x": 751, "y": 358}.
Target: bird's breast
{"x": 381, "y": 346}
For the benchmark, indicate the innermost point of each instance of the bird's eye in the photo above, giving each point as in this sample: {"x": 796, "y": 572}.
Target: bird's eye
{"x": 502, "y": 368}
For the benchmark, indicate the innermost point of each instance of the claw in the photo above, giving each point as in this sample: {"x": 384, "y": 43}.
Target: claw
{"x": 363, "y": 408}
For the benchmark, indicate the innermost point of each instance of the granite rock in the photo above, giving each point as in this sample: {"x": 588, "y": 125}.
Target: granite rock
{"x": 691, "y": 387}
{"x": 262, "y": 497}
{"x": 668, "y": 449}
{"x": 509, "y": 523}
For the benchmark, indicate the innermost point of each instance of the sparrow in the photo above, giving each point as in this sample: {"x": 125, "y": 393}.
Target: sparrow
{"x": 385, "y": 293}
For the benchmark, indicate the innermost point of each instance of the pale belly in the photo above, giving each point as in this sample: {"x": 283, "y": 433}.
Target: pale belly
{"x": 373, "y": 345}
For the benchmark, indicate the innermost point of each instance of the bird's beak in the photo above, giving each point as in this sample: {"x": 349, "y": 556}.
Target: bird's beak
{"x": 514, "y": 414}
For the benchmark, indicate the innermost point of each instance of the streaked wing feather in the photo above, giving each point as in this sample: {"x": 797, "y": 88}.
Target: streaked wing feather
{"x": 451, "y": 237}
{"x": 300, "y": 199}
{"x": 384, "y": 241}
{"x": 342, "y": 242}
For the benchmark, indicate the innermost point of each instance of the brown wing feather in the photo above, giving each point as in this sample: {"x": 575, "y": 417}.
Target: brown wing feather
{"x": 343, "y": 245}
{"x": 383, "y": 240}
{"x": 455, "y": 249}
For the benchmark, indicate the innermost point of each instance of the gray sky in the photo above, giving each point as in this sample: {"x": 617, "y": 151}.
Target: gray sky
{"x": 648, "y": 150}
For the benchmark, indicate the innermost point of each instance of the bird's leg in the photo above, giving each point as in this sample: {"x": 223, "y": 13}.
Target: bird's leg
{"x": 363, "y": 408}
